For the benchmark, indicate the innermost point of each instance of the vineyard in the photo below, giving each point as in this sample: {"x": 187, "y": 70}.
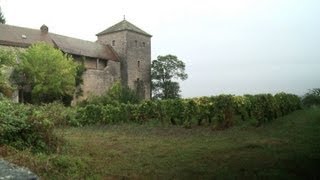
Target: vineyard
{"x": 165, "y": 139}
{"x": 28, "y": 126}
{"x": 220, "y": 111}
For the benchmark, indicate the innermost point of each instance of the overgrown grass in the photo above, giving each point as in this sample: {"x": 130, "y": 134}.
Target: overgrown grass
{"x": 286, "y": 148}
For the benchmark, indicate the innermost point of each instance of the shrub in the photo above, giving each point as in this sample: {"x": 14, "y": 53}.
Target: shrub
{"x": 56, "y": 112}
{"x": 224, "y": 110}
{"x": 264, "y": 108}
{"x": 312, "y": 98}
{"x": 205, "y": 109}
{"x": 116, "y": 94}
{"x": 90, "y": 114}
{"x": 243, "y": 106}
{"x": 24, "y": 126}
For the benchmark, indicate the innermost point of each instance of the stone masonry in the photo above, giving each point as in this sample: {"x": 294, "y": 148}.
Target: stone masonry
{"x": 134, "y": 49}
{"x": 121, "y": 53}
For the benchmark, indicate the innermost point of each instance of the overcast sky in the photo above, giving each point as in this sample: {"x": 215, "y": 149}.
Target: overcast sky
{"x": 229, "y": 46}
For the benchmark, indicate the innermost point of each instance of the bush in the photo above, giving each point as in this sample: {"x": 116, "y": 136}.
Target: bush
{"x": 58, "y": 114}
{"x": 243, "y": 106}
{"x": 224, "y": 111}
{"x": 24, "y": 126}
{"x": 312, "y": 98}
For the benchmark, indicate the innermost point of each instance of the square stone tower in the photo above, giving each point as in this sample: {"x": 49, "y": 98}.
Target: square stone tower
{"x": 133, "y": 46}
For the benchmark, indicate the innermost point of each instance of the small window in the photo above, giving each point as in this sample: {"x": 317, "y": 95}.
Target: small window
{"x": 113, "y": 43}
{"x": 138, "y": 64}
{"x": 143, "y": 44}
{"x": 136, "y": 43}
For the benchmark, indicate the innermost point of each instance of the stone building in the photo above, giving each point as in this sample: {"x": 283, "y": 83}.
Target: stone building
{"x": 122, "y": 52}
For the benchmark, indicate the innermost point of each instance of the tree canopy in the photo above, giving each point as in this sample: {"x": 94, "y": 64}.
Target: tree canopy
{"x": 2, "y": 19}
{"x": 49, "y": 73}
{"x": 7, "y": 60}
{"x": 312, "y": 98}
{"x": 164, "y": 70}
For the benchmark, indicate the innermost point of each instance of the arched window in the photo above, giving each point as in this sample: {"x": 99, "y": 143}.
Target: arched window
{"x": 143, "y": 44}
{"x": 136, "y": 43}
{"x": 113, "y": 43}
{"x": 138, "y": 64}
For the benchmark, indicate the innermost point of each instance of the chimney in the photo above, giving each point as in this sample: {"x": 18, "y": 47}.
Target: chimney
{"x": 44, "y": 29}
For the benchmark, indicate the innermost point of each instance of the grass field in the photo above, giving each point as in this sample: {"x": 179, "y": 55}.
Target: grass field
{"x": 287, "y": 148}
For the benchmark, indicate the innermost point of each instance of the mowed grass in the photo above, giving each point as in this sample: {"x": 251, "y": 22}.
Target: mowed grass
{"x": 286, "y": 148}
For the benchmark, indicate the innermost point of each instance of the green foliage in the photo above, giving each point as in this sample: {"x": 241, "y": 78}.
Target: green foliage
{"x": 206, "y": 107}
{"x": 264, "y": 108}
{"x": 224, "y": 111}
{"x": 80, "y": 69}
{"x": 50, "y": 74}
{"x": 220, "y": 111}
{"x": 115, "y": 95}
{"x": 243, "y": 106}
{"x": 285, "y": 149}
{"x": 23, "y": 126}
{"x": 7, "y": 59}
{"x": 122, "y": 94}
{"x": 58, "y": 114}
{"x": 287, "y": 103}
{"x": 2, "y": 19}
{"x": 163, "y": 71}
{"x": 312, "y": 98}
{"x": 103, "y": 114}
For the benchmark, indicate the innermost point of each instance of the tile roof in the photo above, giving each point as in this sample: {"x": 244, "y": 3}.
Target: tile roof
{"x": 24, "y": 37}
{"x": 122, "y": 26}
{"x": 20, "y": 36}
{"x": 83, "y": 48}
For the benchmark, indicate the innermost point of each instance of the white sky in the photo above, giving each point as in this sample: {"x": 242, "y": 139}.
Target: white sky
{"x": 229, "y": 46}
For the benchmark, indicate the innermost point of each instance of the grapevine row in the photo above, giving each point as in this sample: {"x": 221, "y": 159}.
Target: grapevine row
{"x": 221, "y": 111}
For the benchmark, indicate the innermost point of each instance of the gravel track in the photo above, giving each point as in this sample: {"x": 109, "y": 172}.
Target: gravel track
{"x": 11, "y": 171}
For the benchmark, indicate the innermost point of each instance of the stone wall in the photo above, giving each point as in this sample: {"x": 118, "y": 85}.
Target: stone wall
{"x": 91, "y": 63}
{"x": 118, "y": 41}
{"x": 139, "y": 62}
{"x": 98, "y": 81}
{"x": 134, "y": 51}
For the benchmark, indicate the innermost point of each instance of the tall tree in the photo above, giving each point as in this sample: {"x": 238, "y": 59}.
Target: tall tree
{"x": 2, "y": 19}
{"x": 49, "y": 73}
{"x": 164, "y": 70}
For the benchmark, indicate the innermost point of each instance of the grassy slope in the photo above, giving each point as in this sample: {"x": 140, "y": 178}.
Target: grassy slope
{"x": 288, "y": 147}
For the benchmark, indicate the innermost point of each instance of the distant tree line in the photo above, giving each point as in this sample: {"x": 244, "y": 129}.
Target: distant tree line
{"x": 2, "y": 19}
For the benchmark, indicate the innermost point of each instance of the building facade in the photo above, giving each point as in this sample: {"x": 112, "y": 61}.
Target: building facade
{"x": 122, "y": 52}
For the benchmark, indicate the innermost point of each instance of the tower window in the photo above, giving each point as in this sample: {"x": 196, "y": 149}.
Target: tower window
{"x": 143, "y": 44}
{"x": 113, "y": 43}
{"x": 138, "y": 64}
{"x": 136, "y": 43}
